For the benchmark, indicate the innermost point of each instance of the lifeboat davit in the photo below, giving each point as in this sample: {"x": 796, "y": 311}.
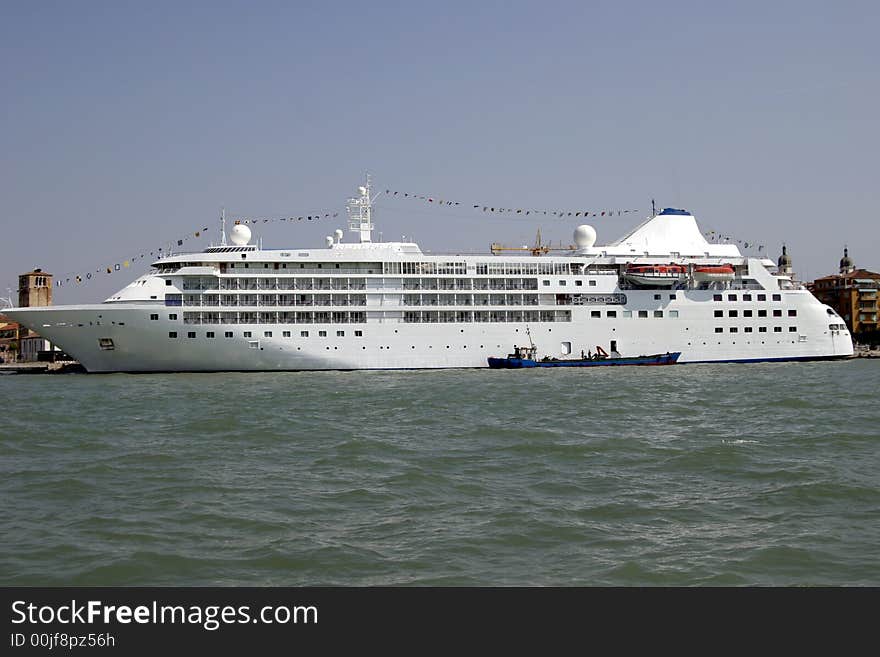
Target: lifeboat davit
{"x": 656, "y": 275}
{"x": 710, "y": 273}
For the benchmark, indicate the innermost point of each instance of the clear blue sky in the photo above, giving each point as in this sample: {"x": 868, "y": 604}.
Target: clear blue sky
{"x": 128, "y": 124}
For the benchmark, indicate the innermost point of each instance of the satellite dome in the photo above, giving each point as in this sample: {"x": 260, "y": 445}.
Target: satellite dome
{"x": 240, "y": 235}
{"x": 584, "y": 236}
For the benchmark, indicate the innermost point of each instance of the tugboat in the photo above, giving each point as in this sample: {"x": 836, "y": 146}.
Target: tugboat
{"x": 523, "y": 357}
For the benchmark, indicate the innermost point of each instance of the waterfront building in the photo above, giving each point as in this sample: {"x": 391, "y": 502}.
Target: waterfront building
{"x": 853, "y": 293}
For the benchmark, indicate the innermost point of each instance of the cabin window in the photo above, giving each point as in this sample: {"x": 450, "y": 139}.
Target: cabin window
{"x": 191, "y": 334}
{"x": 595, "y": 313}
{"x": 322, "y": 334}
{"x": 627, "y": 313}
{"x": 253, "y": 344}
{"x": 718, "y": 329}
{"x": 643, "y": 313}
{"x": 358, "y": 334}
{"x": 247, "y": 334}
{"x": 267, "y": 334}
{"x": 562, "y": 283}
{"x": 591, "y": 283}
{"x": 747, "y": 313}
{"x": 777, "y": 312}
{"x": 777, "y": 297}
{"x": 545, "y": 282}
{"x": 106, "y": 344}
{"x": 673, "y": 314}
{"x": 792, "y": 313}
{"x": 762, "y": 297}
{"x": 716, "y": 297}
{"x": 172, "y": 334}
{"x": 657, "y": 297}
{"x": 227, "y": 334}
{"x": 579, "y": 283}
{"x": 792, "y": 329}
{"x": 172, "y": 316}
{"x": 303, "y": 334}
{"x": 719, "y": 313}
{"x": 154, "y": 317}
{"x": 731, "y": 297}
{"x": 747, "y": 297}
{"x": 762, "y": 329}
{"x": 673, "y": 296}
{"x": 340, "y": 334}
{"x": 167, "y": 281}
{"x": 658, "y": 313}
{"x": 733, "y": 313}
{"x": 777, "y": 329}
{"x": 734, "y": 329}
{"x": 748, "y": 329}
{"x": 762, "y": 313}
{"x": 611, "y": 313}
{"x": 285, "y": 334}
{"x": 209, "y": 334}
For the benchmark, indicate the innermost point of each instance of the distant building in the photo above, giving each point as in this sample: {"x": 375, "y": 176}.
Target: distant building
{"x": 34, "y": 290}
{"x": 853, "y": 293}
{"x": 8, "y": 339}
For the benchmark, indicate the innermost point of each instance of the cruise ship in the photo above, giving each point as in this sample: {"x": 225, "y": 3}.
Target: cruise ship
{"x": 362, "y": 304}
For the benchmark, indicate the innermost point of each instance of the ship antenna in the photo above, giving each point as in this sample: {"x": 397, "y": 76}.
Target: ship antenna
{"x": 222, "y": 226}
{"x": 360, "y": 212}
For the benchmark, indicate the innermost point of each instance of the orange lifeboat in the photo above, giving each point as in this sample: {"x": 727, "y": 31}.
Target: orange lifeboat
{"x": 710, "y": 273}
{"x": 656, "y": 275}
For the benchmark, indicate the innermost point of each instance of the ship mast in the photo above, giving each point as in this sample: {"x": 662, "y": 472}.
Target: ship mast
{"x": 222, "y": 226}
{"x": 360, "y": 213}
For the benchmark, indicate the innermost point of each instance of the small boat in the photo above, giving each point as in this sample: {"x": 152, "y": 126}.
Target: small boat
{"x": 523, "y": 357}
{"x": 656, "y": 275}
{"x": 710, "y": 273}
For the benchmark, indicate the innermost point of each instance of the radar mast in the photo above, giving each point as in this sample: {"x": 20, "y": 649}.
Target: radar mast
{"x": 360, "y": 213}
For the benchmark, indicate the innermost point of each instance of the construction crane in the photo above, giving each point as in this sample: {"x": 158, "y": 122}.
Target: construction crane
{"x": 538, "y": 249}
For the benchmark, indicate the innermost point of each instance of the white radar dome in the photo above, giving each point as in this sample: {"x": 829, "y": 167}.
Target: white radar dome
{"x": 240, "y": 235}
{"x": 584, "y": 236}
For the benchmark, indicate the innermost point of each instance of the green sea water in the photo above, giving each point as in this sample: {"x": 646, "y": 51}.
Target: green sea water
{"x": 763, "y": 474}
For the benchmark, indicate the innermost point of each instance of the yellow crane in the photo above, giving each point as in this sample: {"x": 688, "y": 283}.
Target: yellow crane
{"x": 538, "y": 249}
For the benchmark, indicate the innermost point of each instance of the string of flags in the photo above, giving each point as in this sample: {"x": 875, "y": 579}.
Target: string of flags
{"x": 498, "y": 209}
{"x": 82, "y": 277}
{"x": 717, "y": 237}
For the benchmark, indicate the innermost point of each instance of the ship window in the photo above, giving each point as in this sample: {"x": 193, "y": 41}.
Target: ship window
{"x": 748, "y": 329}
{"x": 718, "y": 329}
{"x": 303, "y": 334}
{"x": 747, "y": 297}
{"x": 267, "y": 334}
{"x": 340, "y": 334}
{"x": 228, "y": 334}
{"x": 591, "y": 283}
{"x": 673, "y": 314}
{"x": 611, "y": 313}
{"x": 285, "y": 334}
{"x": 253, "y": 344}
{"x": 731, "y": 297}
{"x": 777, "y": 329}
{"x": 627, "y": 313}
{"x": 792, "y": 329}
{"x": 106, "y": 344}
{"x": 545, "y": 282}
{"x": 747, "y": 313}
{"x": 762, "y": 329}
{"x": 167, "y": 281}
{"x": 191, "y": 334}
{"x": 716, "y": 297}
{"x": 777, "y": 312}
{"x": 792, "y": 313}
{"x": 777, "y": 297}
{"x": 172, "y": 334}
{"x": 734, "y": 329}
{"x": 719, "y": 313}
{"x": 579, "y": 283}
{"x": 247, "y": 334}
{"x": 762, "y": 313}
{"x": 562, "y": 283}
{"x": 154, "y": 317}
{"x": 172, "y": 316}
{"x": 673, "y": 296}
{"x": 322, "y": 334}
{"x": 762, "y": 297}
{"x": 358, "y": 334}
{"x": 643, "y": 313}
{"x": 657, "y": 297}
{"x": 733, "y": 313}
{"x": 595, "y": 313}
{"x": 658, "y": 313}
